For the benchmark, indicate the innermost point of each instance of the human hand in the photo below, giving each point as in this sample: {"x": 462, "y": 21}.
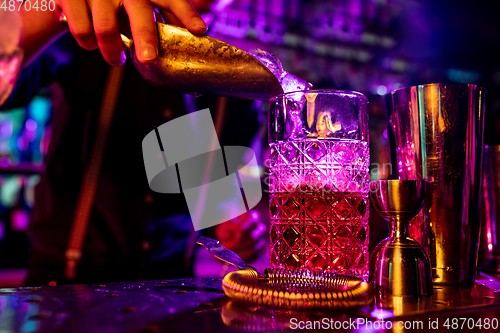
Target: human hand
{"x": 94, "y": 23}
{"x": 245, "y": 235}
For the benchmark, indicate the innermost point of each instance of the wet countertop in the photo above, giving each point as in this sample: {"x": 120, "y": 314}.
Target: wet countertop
{"x": 199, "y": 305}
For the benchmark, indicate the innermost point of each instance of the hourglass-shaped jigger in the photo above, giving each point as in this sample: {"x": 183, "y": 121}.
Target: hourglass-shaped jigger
{"x": 399, "y": 265}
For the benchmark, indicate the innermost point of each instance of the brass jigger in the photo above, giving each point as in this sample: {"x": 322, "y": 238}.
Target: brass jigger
{"x": 190, "y": 63}
{"x": 399, "y": 265}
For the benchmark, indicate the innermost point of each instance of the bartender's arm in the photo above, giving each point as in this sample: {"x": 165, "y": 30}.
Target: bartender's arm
{"x": 94, "y": 23}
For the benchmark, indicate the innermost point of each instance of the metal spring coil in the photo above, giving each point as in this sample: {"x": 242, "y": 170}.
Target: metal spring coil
{"x": 324, "y": 290}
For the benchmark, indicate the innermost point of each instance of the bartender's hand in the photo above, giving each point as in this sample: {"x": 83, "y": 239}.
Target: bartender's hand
{"x": 94, "y": 23}
{"x": 246, "y": 235}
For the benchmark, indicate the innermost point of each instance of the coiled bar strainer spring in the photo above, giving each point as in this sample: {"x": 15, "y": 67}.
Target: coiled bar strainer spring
{"x": 286, "y": 288}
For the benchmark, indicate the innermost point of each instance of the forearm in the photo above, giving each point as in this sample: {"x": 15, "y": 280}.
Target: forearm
{"x": 40, "y": 29}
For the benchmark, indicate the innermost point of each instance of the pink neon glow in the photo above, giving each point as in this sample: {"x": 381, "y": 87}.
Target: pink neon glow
{"x": 8, "y": 71}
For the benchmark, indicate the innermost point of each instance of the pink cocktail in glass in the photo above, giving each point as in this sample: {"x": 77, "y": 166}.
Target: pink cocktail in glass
{"x": 319, "y": 181}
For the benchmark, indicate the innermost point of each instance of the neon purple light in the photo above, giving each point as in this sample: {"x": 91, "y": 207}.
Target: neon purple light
{"x": 6, "y": 128}
{"x": 31, "y": 125}
{"x": 5, "y": 162}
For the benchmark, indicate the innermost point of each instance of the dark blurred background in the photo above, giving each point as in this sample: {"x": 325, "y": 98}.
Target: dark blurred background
{"x": 375, "y": 47}
{"x": 370, "y": 46}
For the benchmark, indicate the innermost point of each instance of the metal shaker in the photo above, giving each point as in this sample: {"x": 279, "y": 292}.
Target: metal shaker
{"x": 189, "y": 63}
{"x": 436, "y": 134}
{"x": 489, "y": 248}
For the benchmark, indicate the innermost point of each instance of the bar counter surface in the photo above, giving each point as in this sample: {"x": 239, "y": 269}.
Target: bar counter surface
{"x": 199, "y": 305}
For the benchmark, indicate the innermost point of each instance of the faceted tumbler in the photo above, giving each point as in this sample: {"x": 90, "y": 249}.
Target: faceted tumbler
{"x": 319, "y": 181}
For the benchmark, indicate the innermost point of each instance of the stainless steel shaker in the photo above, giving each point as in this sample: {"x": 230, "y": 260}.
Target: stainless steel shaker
{"x": 436, "y": 134}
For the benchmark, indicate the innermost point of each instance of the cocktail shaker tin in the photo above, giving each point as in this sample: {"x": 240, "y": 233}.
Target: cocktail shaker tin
{"x": 436, "y": 134}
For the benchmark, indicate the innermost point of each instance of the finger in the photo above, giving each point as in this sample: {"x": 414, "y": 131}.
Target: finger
{"x": 261, "y": 245}
{"x": 142, "y": 24}
{"x": 254, "y": 215}
{"x": 259, "y": 232}
{"x": 170, "y": 18}
{"x": 80, "y": 24}
{"x": 248, "y": 226}
{"x": 104, "y": 16}
{"x": 185, "y": 13}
